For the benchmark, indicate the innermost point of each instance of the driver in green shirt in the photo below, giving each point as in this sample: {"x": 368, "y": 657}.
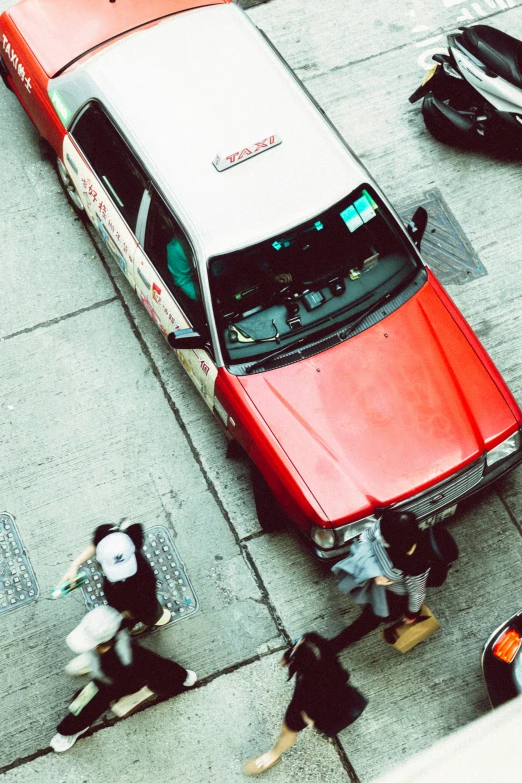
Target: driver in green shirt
{"x": 180, "y": 269}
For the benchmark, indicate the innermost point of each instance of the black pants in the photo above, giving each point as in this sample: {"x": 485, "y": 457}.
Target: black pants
{"x": 368, "y": 621}
{"x": 161, "y": 675}
{"x": 97, "y": 707}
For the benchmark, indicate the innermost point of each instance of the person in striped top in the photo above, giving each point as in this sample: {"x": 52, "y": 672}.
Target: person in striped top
{"x": 395, "y": 545}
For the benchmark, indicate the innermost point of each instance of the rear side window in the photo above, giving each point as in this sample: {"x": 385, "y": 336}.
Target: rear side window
{"x": 111, "y": 160}
{"x": 169, "y": 251}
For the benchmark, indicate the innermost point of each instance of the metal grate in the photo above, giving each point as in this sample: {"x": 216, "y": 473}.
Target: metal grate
{"x": 445, "y": 247}
{"x": 173, "y": 585}
{"x": 444, "y": 493}
{"x": 18, "y": 585}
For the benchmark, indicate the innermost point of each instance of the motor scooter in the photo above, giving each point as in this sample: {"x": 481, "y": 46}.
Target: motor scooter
{"x": 473, "y": 94}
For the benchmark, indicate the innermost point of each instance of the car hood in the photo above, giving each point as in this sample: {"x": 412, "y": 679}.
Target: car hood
{"x": 385, "y": 414}
{"x": 61, "y": 31}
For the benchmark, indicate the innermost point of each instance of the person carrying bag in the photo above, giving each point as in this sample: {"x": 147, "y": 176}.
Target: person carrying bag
{"x": 387, "y": 572}
{"x": 323, "y": 698}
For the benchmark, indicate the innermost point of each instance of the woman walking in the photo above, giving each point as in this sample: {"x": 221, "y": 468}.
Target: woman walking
{"x": 386, "y": 571}
{"x": 119, "y": 668}
{"x": 322, "y": 698}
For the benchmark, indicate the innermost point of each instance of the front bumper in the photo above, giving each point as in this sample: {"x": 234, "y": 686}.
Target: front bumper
{"x": 488, "y": 476}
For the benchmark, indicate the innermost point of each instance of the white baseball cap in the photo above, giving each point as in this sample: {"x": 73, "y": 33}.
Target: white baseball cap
{"x": 115, "y": 554}
{"x": 97, "y": 627}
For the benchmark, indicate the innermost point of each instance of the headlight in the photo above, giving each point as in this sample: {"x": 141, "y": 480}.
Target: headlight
{"x": 323, "y": 537}
{"x": 327, "y": 538}
{"x": 352, "y": 530}
{"x": 504, "y": 449}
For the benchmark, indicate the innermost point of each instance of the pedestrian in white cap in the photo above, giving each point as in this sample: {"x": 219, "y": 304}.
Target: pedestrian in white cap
{"x": 123, "y": 674}
{"x": 129, "y": 584}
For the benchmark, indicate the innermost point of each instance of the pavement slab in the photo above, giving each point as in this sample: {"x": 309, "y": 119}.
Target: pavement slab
{"x": 44, "y": 247}
{"x": 322, "y": 39}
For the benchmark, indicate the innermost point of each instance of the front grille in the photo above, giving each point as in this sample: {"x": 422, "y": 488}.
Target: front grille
{"x": 445, "y": 493}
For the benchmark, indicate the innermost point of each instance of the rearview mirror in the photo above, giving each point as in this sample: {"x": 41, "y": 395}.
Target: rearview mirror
{"x": 186, "y": 338}
{"x": 417, "y": 226}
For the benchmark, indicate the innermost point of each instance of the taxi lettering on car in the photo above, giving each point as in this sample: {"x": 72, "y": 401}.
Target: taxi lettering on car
{"x": 272, "y": 263}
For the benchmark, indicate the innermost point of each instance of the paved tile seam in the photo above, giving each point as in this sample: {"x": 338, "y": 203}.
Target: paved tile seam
{"x": 508, "y": 510}
{"x": 252, "y": 536}
{"x": 60, "y": 318}
{"x": 345, "y": 761}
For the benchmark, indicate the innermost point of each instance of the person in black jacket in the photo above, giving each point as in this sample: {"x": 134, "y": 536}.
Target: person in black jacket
{"x": 129, "y": 583}
{"x": 119, "y": 667}
{"x": 322, "y": 698}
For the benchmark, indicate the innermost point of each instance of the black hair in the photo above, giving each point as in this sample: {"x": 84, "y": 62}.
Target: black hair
{"x": 400, "y": 530}
{"x": 313, "y": 658}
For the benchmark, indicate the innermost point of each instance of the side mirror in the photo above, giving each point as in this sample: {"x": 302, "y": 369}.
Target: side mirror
{"x": 417, "y": 226}
{"x": 186, "y": 338}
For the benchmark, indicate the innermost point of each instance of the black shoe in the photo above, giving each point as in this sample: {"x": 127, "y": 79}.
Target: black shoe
{"x": 390, "y": 635}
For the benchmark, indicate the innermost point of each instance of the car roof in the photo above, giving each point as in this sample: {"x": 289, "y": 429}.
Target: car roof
{"x": 60, "y": 31}
{"x": 205, "y": 83}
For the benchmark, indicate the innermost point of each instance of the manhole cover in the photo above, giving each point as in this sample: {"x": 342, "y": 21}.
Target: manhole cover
{"x": 445, "y": 247}
{"x": 18, "y": 585}
{"x": 173, "y": 585}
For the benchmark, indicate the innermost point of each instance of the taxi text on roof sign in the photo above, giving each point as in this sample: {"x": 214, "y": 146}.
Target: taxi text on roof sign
{"x": 222, "y": 162}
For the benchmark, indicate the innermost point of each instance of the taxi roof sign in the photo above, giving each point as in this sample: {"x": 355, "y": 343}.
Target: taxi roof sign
{"x": 222, "y": 162}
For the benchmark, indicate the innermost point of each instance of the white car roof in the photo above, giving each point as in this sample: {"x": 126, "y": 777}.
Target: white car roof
{"x": 203, "y": 83}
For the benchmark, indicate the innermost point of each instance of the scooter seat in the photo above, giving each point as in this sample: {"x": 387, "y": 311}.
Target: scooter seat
{"x": 498, "y": 51}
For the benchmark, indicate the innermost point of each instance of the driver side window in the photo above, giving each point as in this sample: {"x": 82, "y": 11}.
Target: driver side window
{"x": 169, "y": 251}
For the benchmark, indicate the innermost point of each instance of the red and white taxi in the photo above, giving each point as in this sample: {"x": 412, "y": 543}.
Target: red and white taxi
{"x": 273, "y": 264}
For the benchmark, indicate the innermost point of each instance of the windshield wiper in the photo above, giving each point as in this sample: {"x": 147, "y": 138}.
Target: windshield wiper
{"x": 348, "y": 331}
{"x": 307, "y": 338}
{"x": 278, "y": 352}
{"x": 343, "y": 334}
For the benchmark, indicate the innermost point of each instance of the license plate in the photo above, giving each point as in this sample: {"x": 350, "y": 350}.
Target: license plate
{"x": 431, "y": 72}
{"x": 434, "y": 518}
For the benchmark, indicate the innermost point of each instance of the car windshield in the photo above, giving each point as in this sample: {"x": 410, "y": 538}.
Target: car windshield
{"x": 322, "y": 273}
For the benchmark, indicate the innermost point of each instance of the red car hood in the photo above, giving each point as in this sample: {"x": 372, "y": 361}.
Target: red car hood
{"x": 59, "y": 31}
{"x": 385, "y": 414}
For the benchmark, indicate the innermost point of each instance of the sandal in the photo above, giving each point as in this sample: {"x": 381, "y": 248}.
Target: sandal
{"x": 252, "y": 767}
